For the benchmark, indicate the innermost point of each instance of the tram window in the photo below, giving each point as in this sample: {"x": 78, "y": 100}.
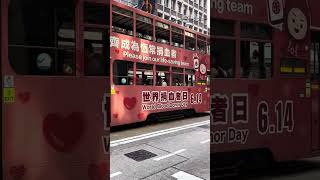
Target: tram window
{"x": 255, "y": 31}
{"x": 256, "y": 60}
{"x": 223, "y": 58}
{"x": 163, "y": 76}
{"x": 122, "y": 72}
{"x": 41, "y": 45}
{"x": 314, "y": 60}
{"x": 96, "y": 14}
{"x": 122, "y": 21}
{"x": 190, "y": 41}
{"x": 190, "y": 77}
{"x": 144, "y": 27}
{"x": 177, "y": 77}
{"x": 177, "y": 37}
{"x": 202, "y": 47}
{"x": 144, "y": 74}
{"x": 222, "y": 27}
{"x": 95, "y": 47}
{"x": 162, "y": 33}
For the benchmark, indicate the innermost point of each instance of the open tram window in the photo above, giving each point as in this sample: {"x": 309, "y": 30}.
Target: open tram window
{"x": 256, "y": 60}
{"x": 223, "y": 58}
{"x": 95, "y": 46}
{"x": 122, "y": 21}
{"x": 144, "y": 74}
{"x": 202, "y": 46}
{"x": 122, "y": 72}
{"x": 144, "y": 27}
{"x": 177, "y": 37}
{"x": 163, "y": 75}
{"x": 190, "y": 39}
{"x": 162, "y": 33}
{"x": 177, "y": 77}
{"x": 41, "y": 45}
{"x": 190, "y": 77}
{"x": 222, "y": 27}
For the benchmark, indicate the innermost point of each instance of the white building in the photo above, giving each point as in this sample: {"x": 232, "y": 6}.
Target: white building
{"x": 190, "y": 13}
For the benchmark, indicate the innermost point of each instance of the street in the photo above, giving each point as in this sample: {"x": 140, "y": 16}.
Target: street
{"x": 307, "y": 169}
{"x": 174, "y": 150}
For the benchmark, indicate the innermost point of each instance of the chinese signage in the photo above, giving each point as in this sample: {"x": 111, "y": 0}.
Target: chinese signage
{"x": 138, "y": 50}
{"x": 238, "y": 107}
{"x": 219, "y": 116}
{"x": 156, "y": 100}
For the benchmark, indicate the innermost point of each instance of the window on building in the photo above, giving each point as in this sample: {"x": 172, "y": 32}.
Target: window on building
{"x": 223, "y": 64}
{"x": 190, "y": 41}
{"x": 144, "y": 74}
{"x": 122, "y": 21}
{"x": 122, "y": 72}
{"x": 256, "y": 60}
{"x": 144, "y": 27}
{"x": 190, "y": 77}
{"x": 177, "y": 37}
{"x": 177, "y": 77}
{"x": 41, "y": 45}
{"x": 163, "y": 76}
{"x": 162, "y": 33}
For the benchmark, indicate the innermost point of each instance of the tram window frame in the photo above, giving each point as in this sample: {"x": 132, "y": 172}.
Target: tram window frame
{"x": 190, "y": 75}
{"x": 222, "y": 27}
{"x": 162, "y": 32}
{"x": 119, "y": 14}
{"x": 165, "y": 75}
{"x": 223, "y": 69}
{"x": 202, "y": 44}
{"x": 249, "y": 71}
{"x": 95, "y": 39}
{"x": 45, "y": 45}
{"x": 177, "y": 73}
{"x": 129, "y": 69}
{"x": 190, "y": 41}
{"x": 144, "y": 27}
{"x": 177, "y": 37}
{"x": 141, "y": 69}
{"x": 255, "y": 31}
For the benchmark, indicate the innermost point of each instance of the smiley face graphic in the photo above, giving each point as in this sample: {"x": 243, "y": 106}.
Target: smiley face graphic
{"x": 297, "y": 23}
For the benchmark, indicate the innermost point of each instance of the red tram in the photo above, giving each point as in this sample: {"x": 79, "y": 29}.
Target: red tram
{"x": 265, "y": 79}
{"x": 156, "y": 66}
{"x": 54, "y": 106}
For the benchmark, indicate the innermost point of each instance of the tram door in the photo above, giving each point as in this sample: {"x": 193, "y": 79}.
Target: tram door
{"x": 315, "y": 89}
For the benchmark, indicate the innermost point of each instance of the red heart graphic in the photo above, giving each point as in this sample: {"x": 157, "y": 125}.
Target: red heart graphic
{"x": 98, "y": 171}
{"x": 117, "y": 51}
{"x": 130, "y": 103}
{"x": 24, "y": 97}
{"x": 17, "y": 172}
{"x": 63, "y": 134}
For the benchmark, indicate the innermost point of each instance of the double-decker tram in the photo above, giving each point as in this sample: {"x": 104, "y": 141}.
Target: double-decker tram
{"x": 158, "y": 68}
{"x": 265, "y": 80}
{"x": 55, "y": 85}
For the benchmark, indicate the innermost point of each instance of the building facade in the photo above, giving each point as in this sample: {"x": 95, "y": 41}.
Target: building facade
{"x": 189, "y": 13}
